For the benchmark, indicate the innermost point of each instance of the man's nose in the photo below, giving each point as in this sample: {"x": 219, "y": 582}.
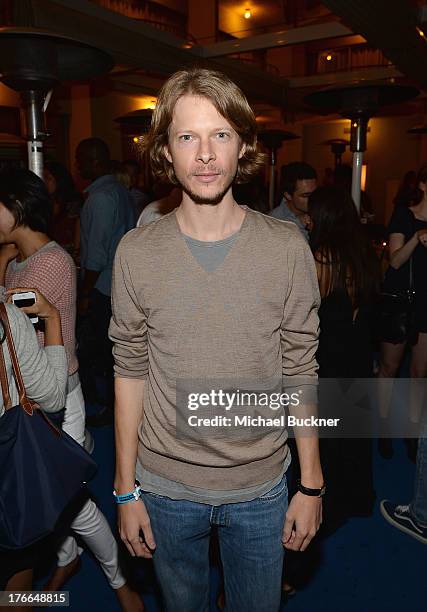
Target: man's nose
{"x": 206, "y": 151}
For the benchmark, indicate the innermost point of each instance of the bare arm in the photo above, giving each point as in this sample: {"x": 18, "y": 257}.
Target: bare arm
{"x": 128, "y": 413}
{"x": 299, "y": 345}
{"x": 400, "y": 251}
{"x": 132, "y": 516}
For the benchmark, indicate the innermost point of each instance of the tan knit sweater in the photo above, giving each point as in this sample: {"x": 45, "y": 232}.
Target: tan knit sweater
{"x": 254, "y": 318}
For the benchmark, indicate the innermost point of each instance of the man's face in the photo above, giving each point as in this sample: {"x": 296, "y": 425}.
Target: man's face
{"x": 204, "y": 150}
{"x": 85, "y": 163}
{"x": 298, "y": 201}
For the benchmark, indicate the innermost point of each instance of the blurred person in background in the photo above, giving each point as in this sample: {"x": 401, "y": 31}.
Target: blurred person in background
{"x": 66, "y": 205}
{"x": 349, "y": 276}
{"x": 161, "y": 207}
{"x": 107, "y": 215}
{"x": 408, "y": 257}
{"x": 140, "y": 197}
{"x": 297, "y": 181}
{"x": 252, "y": 194}
{"x": 407, "y": 194}
{"x": 29, "y": 257}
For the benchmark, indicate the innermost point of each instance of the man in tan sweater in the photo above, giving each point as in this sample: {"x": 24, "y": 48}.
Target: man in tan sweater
{"x": 209, "y": 302}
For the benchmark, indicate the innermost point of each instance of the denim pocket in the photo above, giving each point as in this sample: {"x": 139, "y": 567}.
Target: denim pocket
{"x": 276, "y": 491}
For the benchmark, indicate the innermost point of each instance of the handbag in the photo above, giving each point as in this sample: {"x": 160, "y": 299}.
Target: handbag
{"x": 396, "y": 314}
{"x": 42, "y": 468}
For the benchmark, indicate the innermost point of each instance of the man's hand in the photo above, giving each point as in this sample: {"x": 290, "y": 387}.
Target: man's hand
{"x": 302, "y": 521}
{"x": 133, "y": 518}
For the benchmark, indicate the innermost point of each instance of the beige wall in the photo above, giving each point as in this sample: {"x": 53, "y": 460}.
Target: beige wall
{"x": 105, "y": 109}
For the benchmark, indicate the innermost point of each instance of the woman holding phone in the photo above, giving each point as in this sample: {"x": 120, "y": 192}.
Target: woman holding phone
{"x": 44, "y": 371}
{"x": 29, "y": 257}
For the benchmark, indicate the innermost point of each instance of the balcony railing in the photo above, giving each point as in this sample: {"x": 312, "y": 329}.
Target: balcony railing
{"x": 344, "y": 59}
{"x": 158, "y": 16}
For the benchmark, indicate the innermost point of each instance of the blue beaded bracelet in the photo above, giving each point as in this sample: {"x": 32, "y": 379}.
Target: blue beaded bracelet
{"x": 128, "y": 497}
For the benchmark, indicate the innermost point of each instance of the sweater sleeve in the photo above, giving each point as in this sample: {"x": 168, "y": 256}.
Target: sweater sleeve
{"x": 300, "y": 323}
{"x": 128, "y": 327}
{"x": 44, "y": 370}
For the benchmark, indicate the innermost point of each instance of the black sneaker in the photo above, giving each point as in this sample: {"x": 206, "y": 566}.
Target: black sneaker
{"x": 400, "y": 517}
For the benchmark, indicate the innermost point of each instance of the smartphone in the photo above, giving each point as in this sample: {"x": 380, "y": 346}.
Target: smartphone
{"x": 26, "y": 298}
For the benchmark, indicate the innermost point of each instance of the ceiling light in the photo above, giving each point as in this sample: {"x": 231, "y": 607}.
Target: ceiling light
{"x": 248, "y": 13}
{"x": 421, "y": 32}
{"x": 329, "y": 57}
{"x": 281, "y": 41}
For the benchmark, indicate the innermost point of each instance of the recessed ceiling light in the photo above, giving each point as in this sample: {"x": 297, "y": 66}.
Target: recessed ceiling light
{"x": 281, "y": 41}
{"x": 329, "y": 57}
{"x": 248, "y": 13}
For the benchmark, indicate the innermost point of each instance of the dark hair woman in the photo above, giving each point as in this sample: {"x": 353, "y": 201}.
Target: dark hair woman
{"x": 65, "y": 226}
{"x": 407, "y": 246}
{"x": 348, "y": 273}
{"x": 407, "y": 193}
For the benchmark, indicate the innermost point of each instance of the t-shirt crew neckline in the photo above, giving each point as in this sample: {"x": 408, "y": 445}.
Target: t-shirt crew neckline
{"x": 236, "y": 238}
{"x": 19, "y": 265}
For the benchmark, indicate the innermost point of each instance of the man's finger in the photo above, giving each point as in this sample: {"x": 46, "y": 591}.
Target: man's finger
{"x": 307, "y": 540}
{"x": 128, "y": 546}
{"x": 298, "y": 540}
{"x": 139, "y": 549}
{"x": 146, "y": 534}
{"x": 287, "y": 529}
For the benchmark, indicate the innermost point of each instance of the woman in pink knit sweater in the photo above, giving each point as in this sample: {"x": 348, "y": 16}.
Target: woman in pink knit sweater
{"x": 28, "y": 258}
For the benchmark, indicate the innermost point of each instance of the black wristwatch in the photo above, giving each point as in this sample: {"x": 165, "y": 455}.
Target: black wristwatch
{"x": 311, "y": 492}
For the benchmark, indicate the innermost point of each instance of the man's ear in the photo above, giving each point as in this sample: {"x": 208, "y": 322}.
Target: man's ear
{"x": 242, "y": 150}
{"x": 167, "y": 154}
{"x": 287, "y": 196}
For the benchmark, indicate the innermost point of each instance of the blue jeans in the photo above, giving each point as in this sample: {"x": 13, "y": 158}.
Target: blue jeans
{"x": 249, "y": 535}
{"x": 419, "y": 503}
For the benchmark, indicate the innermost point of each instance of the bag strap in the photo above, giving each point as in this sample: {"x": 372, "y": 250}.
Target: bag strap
{"x": 26, "y": 404}
{"x": 411, "y": 271}
{"x": 3, "y": 379}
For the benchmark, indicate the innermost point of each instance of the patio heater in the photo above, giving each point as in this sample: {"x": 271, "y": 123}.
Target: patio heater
{"x": 272, "y": 140}
{"x": 33, "y": 62}
{"x": 359, "y": 102}
{"x": 337, "y": 147}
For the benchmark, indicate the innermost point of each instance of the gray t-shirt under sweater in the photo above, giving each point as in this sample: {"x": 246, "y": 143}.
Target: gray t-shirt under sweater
{"x": 210, "y": 256}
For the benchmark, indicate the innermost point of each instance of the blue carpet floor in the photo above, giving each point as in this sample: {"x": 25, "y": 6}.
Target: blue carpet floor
{"x": 367, "y": 565}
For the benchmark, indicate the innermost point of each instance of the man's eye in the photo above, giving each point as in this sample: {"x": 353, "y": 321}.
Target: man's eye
{"x": 185, "y": 137}
{"x": 222, "y": 135}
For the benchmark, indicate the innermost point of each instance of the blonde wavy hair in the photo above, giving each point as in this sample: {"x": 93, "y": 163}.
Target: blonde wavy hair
{"x": 229, "y": 101}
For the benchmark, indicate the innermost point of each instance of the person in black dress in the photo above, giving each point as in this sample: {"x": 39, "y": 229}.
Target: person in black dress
{"x": 408, "y": 249}
{"x": 348, "y": 273}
